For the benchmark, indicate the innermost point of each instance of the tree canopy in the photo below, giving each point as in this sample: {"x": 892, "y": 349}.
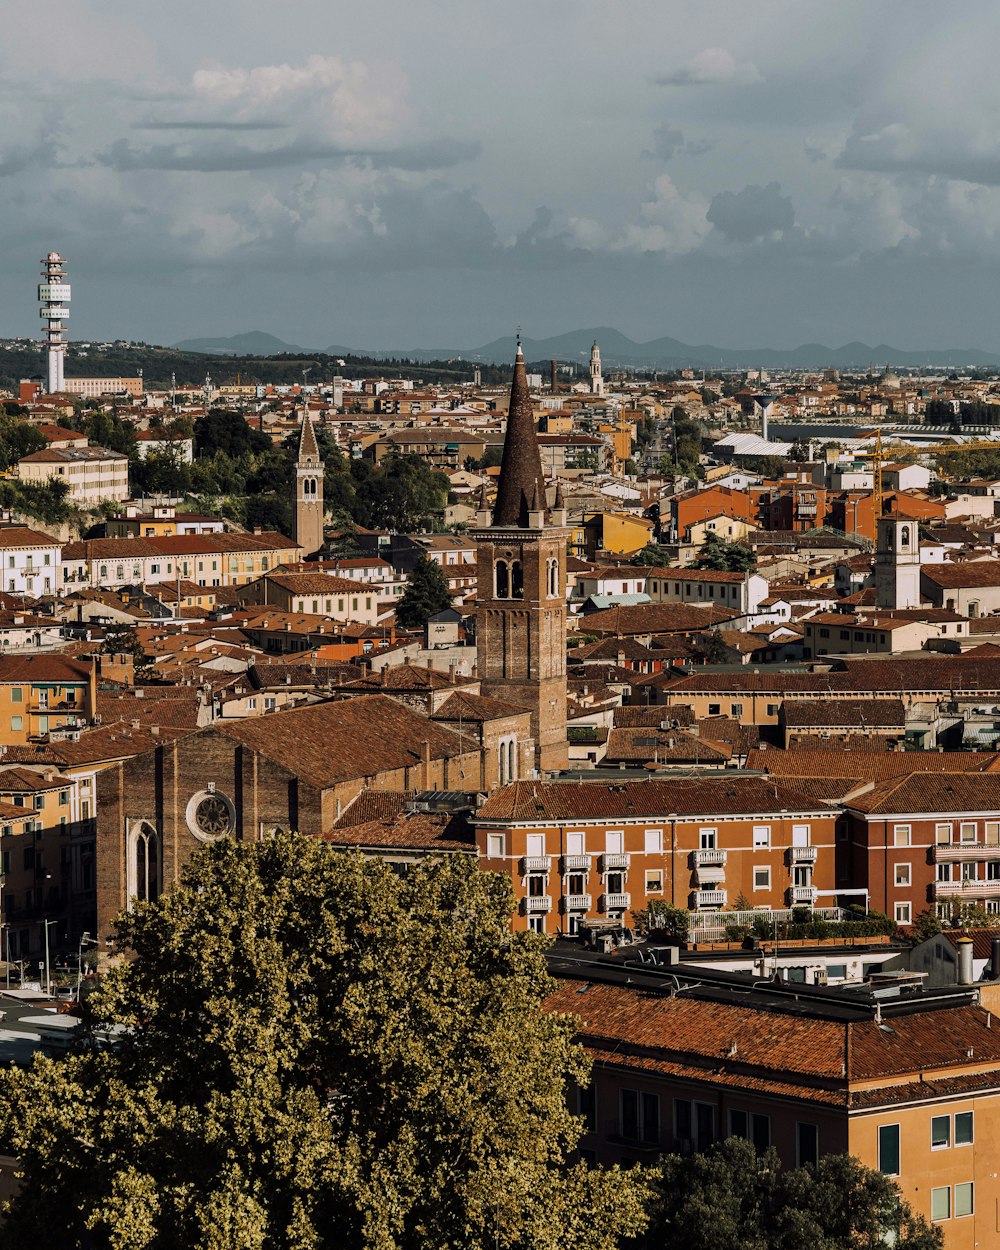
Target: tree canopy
{"x": 319, "y": 1053}
{"x": 724, "y": 556}
{"x": 426, "y": 592}
{"x": 729, "y": 1199}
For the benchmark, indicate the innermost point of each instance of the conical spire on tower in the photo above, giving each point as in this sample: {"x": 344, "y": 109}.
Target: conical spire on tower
{"x": 521, "y": 464}
{"x": 308, "y": 447}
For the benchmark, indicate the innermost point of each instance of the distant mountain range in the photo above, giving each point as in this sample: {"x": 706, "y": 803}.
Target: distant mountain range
{"x": 619, "y": 351}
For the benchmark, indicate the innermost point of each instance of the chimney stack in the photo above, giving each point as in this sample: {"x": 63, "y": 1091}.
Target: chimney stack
{"x": 965, "y": 974}
{"x": 553, "y": 377}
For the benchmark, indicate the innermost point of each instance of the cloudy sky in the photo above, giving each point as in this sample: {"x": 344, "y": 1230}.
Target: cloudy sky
{"x": 402, "y": 173}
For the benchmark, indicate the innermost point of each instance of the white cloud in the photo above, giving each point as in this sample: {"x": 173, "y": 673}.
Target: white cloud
{"x": 711, "y": 67}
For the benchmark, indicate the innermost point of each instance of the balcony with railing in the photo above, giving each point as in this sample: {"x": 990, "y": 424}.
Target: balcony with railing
{"x": 799, "y": 895}
{"x": 614, "y": 859}
{"x": 616, "y": 902}
{"x": 576, "y": 863}
{"x": 535, "y": 863}
{"x": 577, "y": 902}
{"x": 950, "y": 852}
{"x": 966, "y": 889}
{"x": 535, "y": 903}
{"x": 802, "y": 854}
{"x": 710, "y": 898}
{"x": 709, "y": 859}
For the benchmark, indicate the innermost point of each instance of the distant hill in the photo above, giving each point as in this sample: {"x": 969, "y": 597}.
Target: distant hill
{"x": 617, "y": 350}
{"x": 253, "y": 343}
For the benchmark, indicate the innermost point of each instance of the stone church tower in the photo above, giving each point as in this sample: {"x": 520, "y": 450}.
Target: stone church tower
{"x": 308, "y": 490}
{"x": 596, "y": 376}
{"x": 897, "y": 563}
{"x": 521, "y": 575}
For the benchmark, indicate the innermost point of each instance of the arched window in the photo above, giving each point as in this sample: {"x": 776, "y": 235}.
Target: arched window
{"x": 904, "y": 535}
{"x": 145, "y": 883}
{"x": 502, "y": 580}
{"x": 516, "y": 580}
{"x": 502, "y": 771}
{"x": 512, "y": 760}
{"x": 553, "y": 577}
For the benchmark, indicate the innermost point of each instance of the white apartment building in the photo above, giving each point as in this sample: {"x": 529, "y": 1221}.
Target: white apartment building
{"x": 92, "y": 474}
{"x": 743, "y": 593}
{"x": 30, "y": 560}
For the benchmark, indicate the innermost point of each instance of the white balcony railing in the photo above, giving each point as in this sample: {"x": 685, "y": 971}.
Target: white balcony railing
{"x": 576, "y": 863}
{"x": 535, "y": 863}
{"x": 538, "y": 903}
{"x": 966, "y": 889}
{"x": 616, "y": 902}
{"x": 614, "y": 859}
{"x": 799, "y": 894}
{"x": 578, "y": 902}
{"x": 803, "y": 854}
{"x": 709, "y": 859}
{"x": 710, "y": 898}
{"x": 949, "y": 852}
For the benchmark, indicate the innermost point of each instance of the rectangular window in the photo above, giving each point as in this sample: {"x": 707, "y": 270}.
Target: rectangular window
{"x": 888, "y": 1149}
{"x": 901, "y": 835}
{"x": 800, "y": 835}
{"x": 967, "y": 831}
{"x": 963, "y": 1128}
{"x": 494, "y": 845}
{"x": 614, "y": 842}
{"x": 640, "y": 1117}
{"x": 761, "y": 837}
{"x": 940, "y": 1132}
{"x": 536, "y": 844}
{"x": 760, "y": 1132}
{"x": 902, "y": 874}
{"x": 942, "y": 834}
{"x": 942, "y": 872}
{"x": 739, "y": 1124}
{"x": 761, "y": 878}
{"x": 654, "y": 881}
{"x": 993, "y": 833}
{"x": 806, "y": 1144}
{"x": 714, "y": 708}
{"x": 17, "y": 695}
{"x": 654, "y": 841}
{"x": 576, "y": 843}
{"x": 17, "y": 723}
{"x": 963, "y": 1199}
{"x": 901, "y": 913}
{"x": 941, "y": 1203}
{"x": 707, "y": 839}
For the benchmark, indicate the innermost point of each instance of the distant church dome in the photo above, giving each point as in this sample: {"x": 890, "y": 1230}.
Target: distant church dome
{"x": 890, "y": 380}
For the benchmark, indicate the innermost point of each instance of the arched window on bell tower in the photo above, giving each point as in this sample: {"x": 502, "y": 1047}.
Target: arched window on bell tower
{"x": 904, "y": 537}
{"x": 516, "y": 580}
{"x": 502, "y": 579}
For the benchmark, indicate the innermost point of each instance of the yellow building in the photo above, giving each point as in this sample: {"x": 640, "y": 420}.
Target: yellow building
{"x": 40, "y": 693}
{"x": 617, "y": 533}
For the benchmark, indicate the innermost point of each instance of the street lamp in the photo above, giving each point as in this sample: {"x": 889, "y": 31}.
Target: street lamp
{"x": 48, "y": 975}
{"x": 85, "y": 940}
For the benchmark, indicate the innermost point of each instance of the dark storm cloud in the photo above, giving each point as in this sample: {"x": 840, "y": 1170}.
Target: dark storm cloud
{"x": 752, "y": 213}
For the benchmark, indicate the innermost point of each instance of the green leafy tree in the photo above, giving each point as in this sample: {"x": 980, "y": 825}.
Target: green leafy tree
{"x": 17, "y": 439}
{"x": 426, "y": 592}
{"x": 220, "y": 429}
{"x": 724, "y": 556}
{"x": 122, "y": 639}
{"x": 714, "y": 648}
{"x": 319, "y": 1054}
{"x": 729, "y": 1199}
{"x": 927, "y": 925}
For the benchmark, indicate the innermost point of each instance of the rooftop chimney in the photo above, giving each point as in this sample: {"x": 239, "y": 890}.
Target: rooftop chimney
{"x": 965, "y": 973}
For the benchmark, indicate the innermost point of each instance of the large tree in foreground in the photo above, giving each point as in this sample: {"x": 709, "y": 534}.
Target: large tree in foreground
{"x": 426, "y": 593}
{"x": 730, "y": 1199}
{"x": 318, "y": 1053}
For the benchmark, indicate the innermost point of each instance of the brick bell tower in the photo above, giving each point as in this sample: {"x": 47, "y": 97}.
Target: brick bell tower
{"x": 521, "y": 592}
{"x": 308, "y": 490}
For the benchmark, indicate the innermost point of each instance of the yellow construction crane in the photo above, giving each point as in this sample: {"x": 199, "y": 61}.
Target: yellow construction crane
{"x": 880, "y": 454}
